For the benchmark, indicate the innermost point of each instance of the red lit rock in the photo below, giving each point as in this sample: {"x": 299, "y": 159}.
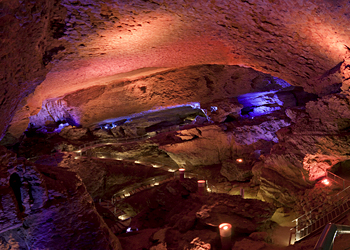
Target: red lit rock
{"x": 82, "y": 45}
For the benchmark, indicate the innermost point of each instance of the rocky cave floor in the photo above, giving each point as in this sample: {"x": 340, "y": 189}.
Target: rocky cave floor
{"x": 173, "y": 215}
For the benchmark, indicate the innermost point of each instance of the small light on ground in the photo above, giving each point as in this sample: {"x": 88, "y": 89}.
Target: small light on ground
{"x": 325, "y": 181}
{"x": 123, "y": 217}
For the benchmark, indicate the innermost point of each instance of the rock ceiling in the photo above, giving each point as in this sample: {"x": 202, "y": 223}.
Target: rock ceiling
{"x": 52, "y": 48}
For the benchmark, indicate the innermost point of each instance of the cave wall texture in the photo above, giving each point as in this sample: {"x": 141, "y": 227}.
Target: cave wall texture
{"x": 92, "y": 60}
{"x": 51, "y": 48}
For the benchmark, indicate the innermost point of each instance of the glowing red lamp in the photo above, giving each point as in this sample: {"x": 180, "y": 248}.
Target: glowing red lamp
{"x": 325, "y": 181}
{"x": 182, "y": 174}
{"x": 239, "y": 160}
{"x": 201, "y": 187}
{"x": 225, "y": 235}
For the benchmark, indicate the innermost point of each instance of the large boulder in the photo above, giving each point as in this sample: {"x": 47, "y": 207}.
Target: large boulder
{"x": 245, "y": 215}
{"x": 236, "y": 171}
{"x": 73, "y": 133}
{"x": 200, "y": 146}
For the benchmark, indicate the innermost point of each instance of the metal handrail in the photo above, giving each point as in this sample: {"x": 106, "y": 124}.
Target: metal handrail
{"x": 337, "y": 199}
{"x": 336, "y": 178}
{"x": 305, "y": 220}
{"x": 337, "y": 195}
{"x": 326, "y": 240}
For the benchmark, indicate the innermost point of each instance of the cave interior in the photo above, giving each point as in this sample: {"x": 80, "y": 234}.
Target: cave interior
{"x": 147, "y": 124}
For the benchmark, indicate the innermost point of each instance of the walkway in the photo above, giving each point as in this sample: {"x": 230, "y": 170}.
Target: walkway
{"x": 331, "y": 210}
{"x": 122, "y": 220}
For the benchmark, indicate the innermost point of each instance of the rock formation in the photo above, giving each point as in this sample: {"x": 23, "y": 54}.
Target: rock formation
{"x": 195, "y": 84}
{"x": 45, "y": 207}
{"x": 80, "y": 42}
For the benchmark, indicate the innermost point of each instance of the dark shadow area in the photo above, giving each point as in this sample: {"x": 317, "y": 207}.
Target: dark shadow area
{"x": 342, "y": 169}
{"x": 15, "y": 183}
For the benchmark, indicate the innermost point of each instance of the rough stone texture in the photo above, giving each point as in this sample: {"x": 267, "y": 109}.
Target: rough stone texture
{"x": 79, "y": 42}
{"x": 245, "y": 215}
{"x": 103, "y": 178}
{"x": 115, "y": 97}
{"x": 210, "y": 146}
{"x": 73, "y": 133}
{"x": 53, "y": 206}
{"x": 345, "y": 70}
{"x": 316, "y": 141}
{"x": 183, "y": 220}
{"x": 235, "y": 171}
{"x": 215, "y": 144}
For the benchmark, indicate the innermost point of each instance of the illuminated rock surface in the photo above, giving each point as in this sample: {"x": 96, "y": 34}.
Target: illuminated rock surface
{"x": 81, "y": 42}
{"x": 195, "y": 84}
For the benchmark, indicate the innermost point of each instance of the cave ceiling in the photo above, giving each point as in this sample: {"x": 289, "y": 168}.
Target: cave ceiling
{"x": 74, "y": 49}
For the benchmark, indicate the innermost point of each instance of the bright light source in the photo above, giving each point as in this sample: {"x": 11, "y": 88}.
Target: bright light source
{"x": 132, "y": 229}
{"x": 213, "y": 108}
{"x": 171, "y": 170}
{"x": 137, "y": 162}
{"x": 181, "y": 169}
{"x": 225, "y": 229}
{"x": 155, "y": 166}
{"x": 224, "y": 226}
{"x": 156, "y": 184}
{"x": 127, "y": 194}
{"x": 239, "y": 160}
{"x": 119, "y": 159}
{"x": 326, "y": 182}
{"x": 201, "y": 181}
{"x": 123, "y": 217}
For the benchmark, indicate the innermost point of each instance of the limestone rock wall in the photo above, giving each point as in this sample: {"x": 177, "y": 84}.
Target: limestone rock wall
{"x": 315, "y": 142}
{"x": 80, "y": 42}
{"x": 45, "y": 207}
{"x": 213, "y": 144}
{"x": 116, "y": 98}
